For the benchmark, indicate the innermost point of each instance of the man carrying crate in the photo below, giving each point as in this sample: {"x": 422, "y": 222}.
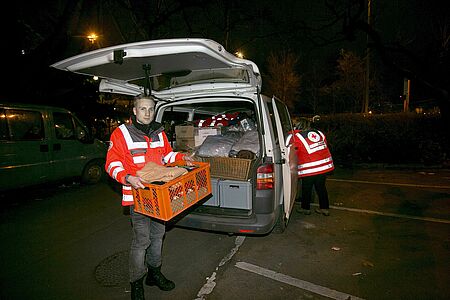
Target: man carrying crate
{"x": 131, "y": 147}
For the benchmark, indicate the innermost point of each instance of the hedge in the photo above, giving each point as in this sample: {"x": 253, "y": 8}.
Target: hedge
{"x": 401, "y": 138}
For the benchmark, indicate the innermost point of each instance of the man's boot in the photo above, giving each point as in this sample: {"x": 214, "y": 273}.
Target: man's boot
{"x": 137, "y": 289}
{"x": 155, "y": 277}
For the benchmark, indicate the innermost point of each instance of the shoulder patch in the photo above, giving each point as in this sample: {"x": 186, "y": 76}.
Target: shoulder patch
{"x": 313, "y": 136}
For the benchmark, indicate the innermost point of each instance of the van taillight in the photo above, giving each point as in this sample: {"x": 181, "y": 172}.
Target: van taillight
{"x": 264, "y": 177}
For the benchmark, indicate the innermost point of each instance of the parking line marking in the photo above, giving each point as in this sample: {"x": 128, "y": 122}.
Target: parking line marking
{"x": 373, "y": 212}
{"x": 210, "y": 284}
{"x": 305, "y": 285}
{"x": 392, "y": 183}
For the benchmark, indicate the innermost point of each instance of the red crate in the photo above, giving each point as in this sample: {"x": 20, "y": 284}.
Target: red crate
{"x": 168, "y": 200}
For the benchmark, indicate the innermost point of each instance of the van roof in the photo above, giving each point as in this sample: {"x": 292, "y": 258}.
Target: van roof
{"x": 31, "y": 106}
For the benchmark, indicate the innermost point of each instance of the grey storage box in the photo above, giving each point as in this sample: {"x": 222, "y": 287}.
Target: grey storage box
{"x": 214, "y": 200}
{"x": 235, "y": 194}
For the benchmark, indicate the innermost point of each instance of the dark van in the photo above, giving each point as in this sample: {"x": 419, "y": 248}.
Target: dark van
{"x": 41, "y": 144}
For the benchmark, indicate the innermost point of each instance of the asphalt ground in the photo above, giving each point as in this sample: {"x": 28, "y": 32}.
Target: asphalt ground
{"x": 387, "y": 238}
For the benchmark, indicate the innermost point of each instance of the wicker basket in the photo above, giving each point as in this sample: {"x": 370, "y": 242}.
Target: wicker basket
{"x": 229, "y": 168}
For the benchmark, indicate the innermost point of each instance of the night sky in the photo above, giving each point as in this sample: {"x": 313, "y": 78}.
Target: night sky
{"x": 43, "y": 32}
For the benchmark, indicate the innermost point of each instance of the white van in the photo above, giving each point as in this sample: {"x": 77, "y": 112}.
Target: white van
{"x": 196, "y": 81}
{"x": 41, "y": 144}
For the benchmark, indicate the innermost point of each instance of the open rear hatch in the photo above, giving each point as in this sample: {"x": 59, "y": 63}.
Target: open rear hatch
{"x": 166, "y": 68}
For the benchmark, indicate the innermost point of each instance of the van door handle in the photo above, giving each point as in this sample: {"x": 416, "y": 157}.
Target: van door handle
{"x": 43, "y": 148}
{"x": 56, "y": 147}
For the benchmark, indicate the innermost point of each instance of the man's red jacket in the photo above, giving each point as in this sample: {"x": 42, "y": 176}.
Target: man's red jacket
{"x": 130, "y": 149}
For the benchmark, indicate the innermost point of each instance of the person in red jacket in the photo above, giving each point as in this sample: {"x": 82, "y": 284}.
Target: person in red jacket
{"x": 131, "y": 147}
{"x": 314, "y": 163}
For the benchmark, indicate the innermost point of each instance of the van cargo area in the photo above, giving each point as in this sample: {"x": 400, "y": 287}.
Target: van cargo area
{"x": 223, "y": 133}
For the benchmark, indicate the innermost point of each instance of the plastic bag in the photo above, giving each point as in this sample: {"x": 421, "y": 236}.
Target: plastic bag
{"x": 216, "y": 146}
{"x": 249, "y": 141}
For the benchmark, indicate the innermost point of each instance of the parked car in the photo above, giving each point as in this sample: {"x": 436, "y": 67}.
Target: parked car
{"x": 195, "y": 80}
{"x": 42, "y": 144}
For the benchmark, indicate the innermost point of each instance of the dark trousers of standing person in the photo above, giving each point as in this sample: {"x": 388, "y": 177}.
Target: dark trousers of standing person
{"x": 318, "y": 183}
{"x": 146, "y": 244}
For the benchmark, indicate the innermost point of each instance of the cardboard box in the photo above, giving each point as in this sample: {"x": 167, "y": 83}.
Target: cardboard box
{"x": 184, "y": 131}
{"x": 189, "y": 137}
{"x": 185, "y": 144}
{"x": 184, "y": 137}
{"x": 201, "y": 133}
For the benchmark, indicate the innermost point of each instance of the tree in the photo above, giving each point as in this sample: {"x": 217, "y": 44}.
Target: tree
{"x": 283, "y": 80}
{"x": 348, "y": 89}
{"x": 310, "y": 92}
{"x": 52, "y": 30}
{"x": 423, "y": 58}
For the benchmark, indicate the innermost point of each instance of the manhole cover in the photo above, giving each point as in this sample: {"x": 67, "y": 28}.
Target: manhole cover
{"x": 113, "y": 270}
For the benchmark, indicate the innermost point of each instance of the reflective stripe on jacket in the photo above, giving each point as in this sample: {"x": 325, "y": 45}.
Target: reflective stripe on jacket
{"x": 313, "y": 154}
{"x": 130, "y": 149}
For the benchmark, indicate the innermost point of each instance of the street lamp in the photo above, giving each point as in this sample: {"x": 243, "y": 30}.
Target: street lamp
{"x": 367, "y": 74}
{"x": 92, "y": 37}
{"x": 239, "y": 54}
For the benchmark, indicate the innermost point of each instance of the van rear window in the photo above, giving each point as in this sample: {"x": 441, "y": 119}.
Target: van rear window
{"x": 22, "y": 125}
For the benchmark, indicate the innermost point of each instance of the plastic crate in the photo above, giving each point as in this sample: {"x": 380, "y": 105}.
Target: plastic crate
{"x": 229, "y": 167}
{"x": 169, "y": 199}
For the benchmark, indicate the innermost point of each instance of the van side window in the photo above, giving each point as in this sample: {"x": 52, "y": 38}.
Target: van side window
{"x": 4, "y": 132}
{"x": 272, "y": 120}
{"x": 64, "y": 126}
{"x": 198, "y": 116}
{"x": 25, "y": 125}
{"x": 286, "y": 123}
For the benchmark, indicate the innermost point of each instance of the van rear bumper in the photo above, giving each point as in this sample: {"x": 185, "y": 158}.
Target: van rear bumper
{"x": 257, "y": 224}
